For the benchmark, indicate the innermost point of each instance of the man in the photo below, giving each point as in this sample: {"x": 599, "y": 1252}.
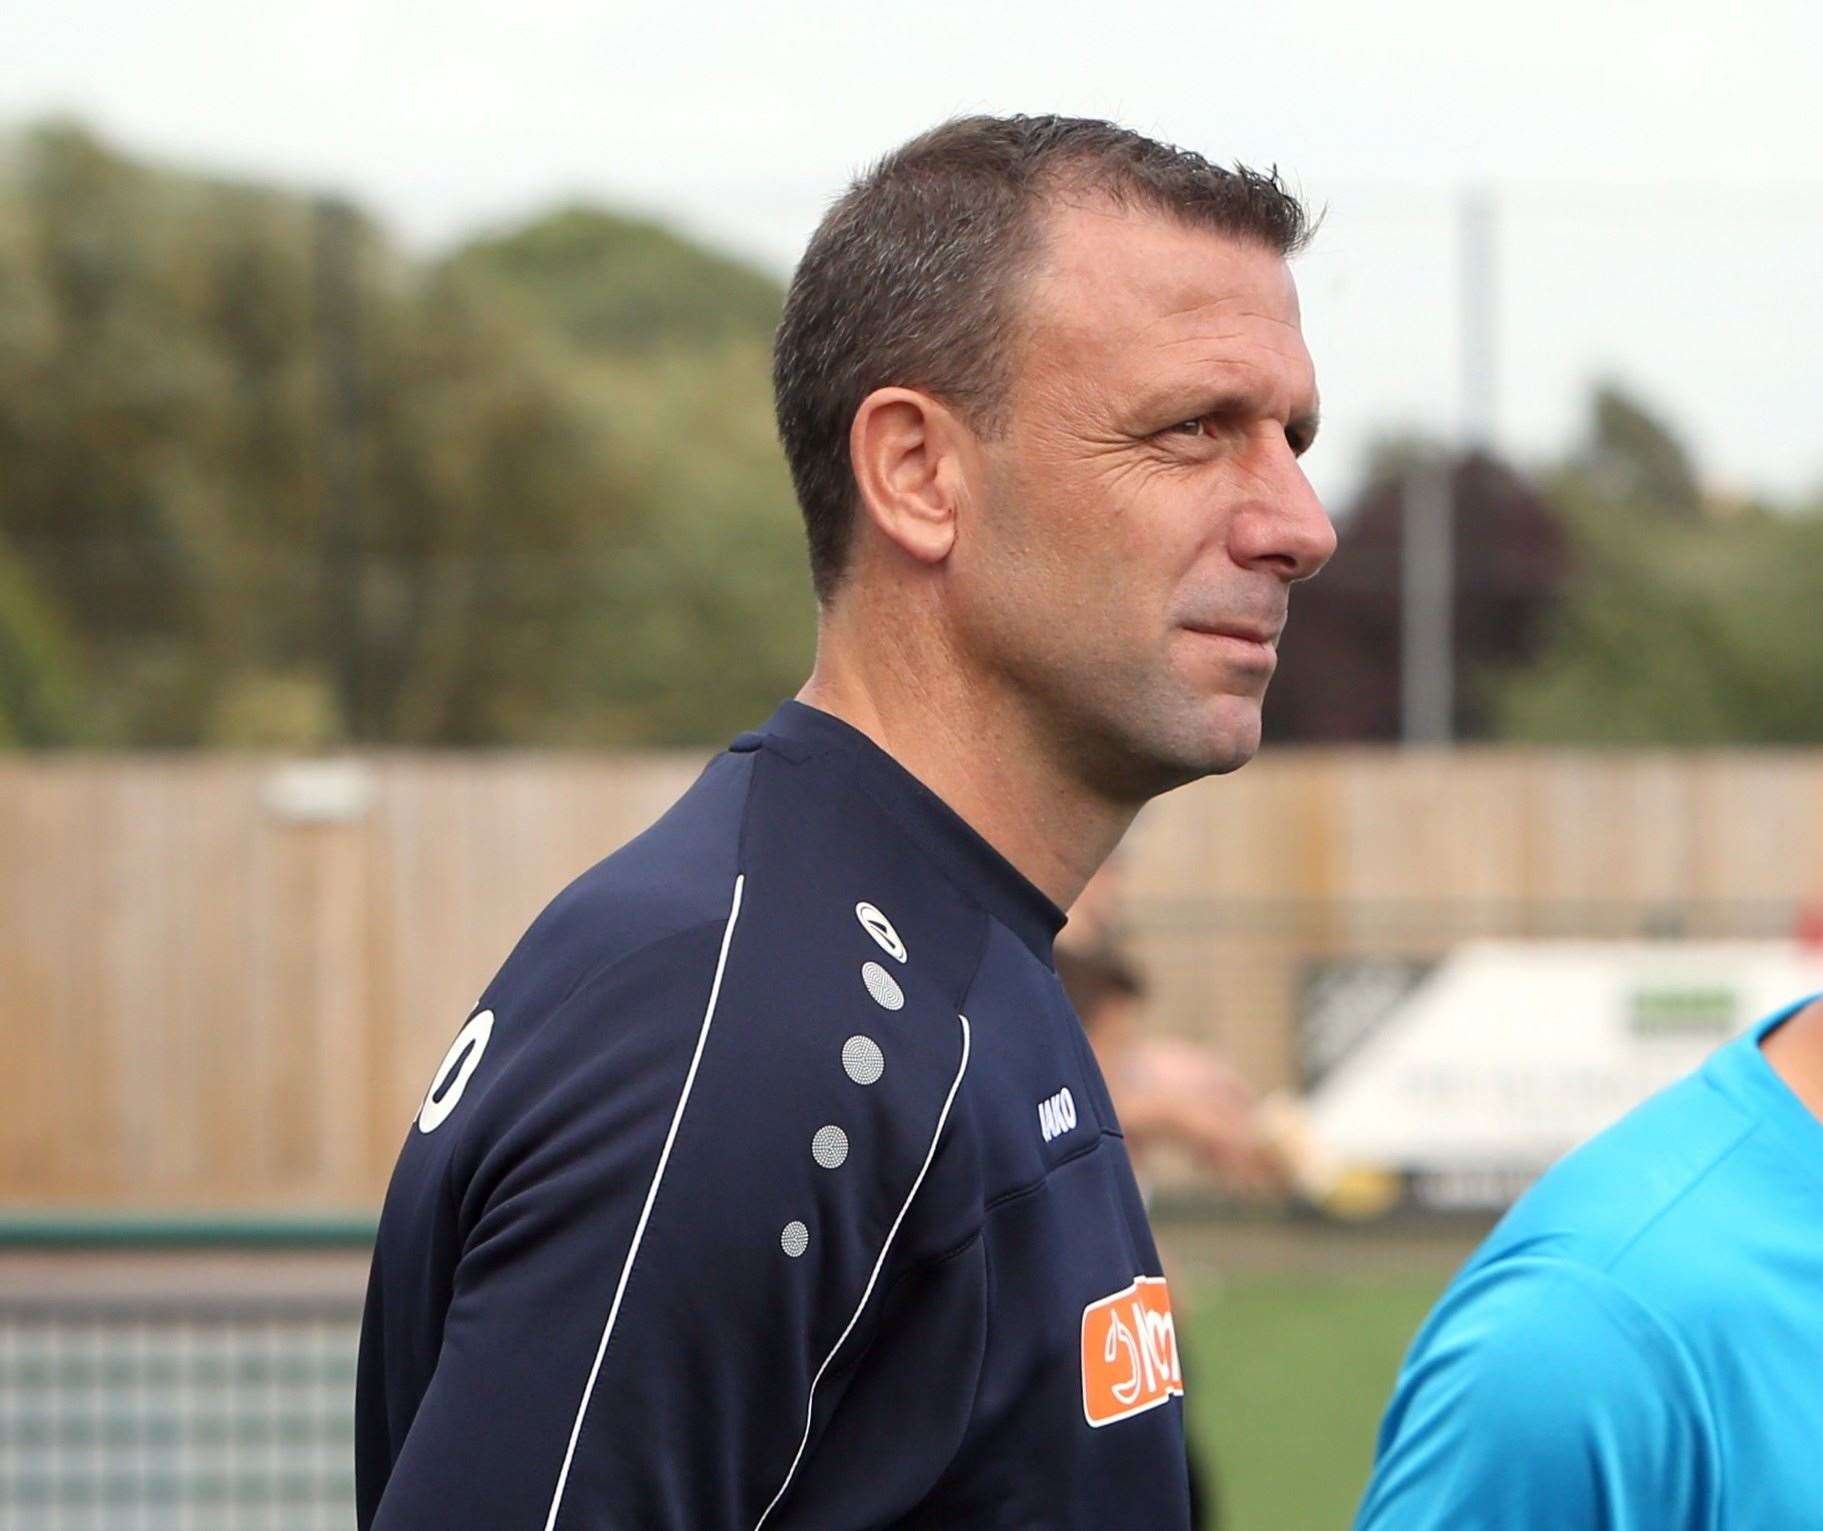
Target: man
{"x": 1639, "y": 1345}
{"x": 772, "y": 1182}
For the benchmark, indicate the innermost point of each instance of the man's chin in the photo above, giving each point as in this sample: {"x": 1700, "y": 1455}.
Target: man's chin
{"x": 1229, "y": 756}
{"x": 1230, "y": 734}
{"x": 1136, "y": 746}
{"x": 1212, "y": 743}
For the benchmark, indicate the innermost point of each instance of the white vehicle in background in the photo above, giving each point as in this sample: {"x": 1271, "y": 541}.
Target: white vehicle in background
{"x": 1510, "y": 1053}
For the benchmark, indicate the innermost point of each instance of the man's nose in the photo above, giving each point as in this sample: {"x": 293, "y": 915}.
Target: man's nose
{"x": 1283, "y": 526}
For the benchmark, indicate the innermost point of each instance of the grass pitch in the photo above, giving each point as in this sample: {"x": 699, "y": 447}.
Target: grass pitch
{"x": 1285, "y": 1379}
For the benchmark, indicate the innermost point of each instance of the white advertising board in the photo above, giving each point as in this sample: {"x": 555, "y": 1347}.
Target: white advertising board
{"x": 1510, "y": 1053}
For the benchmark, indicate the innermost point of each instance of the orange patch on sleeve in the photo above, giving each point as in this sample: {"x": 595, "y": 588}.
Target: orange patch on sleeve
{"x": 1129, "y": 1352}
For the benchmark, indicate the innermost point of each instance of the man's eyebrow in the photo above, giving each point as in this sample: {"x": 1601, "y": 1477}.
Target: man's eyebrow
{"x": 1200, "y": 398}
{"x": 1220, "y": 399}
{"x": 1301, "y": 429}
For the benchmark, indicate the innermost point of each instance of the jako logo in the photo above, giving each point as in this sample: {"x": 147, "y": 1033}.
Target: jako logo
{"x": 1129, "y": 1352}
{"x": 1057, "y": 1115}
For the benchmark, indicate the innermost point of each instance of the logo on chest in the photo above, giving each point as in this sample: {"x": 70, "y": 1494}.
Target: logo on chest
{"x": 1057, "y": 1115}
{"x": 1129, "y": 1352}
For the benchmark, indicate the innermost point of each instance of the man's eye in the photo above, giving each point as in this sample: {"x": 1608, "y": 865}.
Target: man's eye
{"x": 1195, "y": 427}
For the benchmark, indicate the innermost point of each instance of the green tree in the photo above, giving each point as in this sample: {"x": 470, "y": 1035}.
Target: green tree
{"x": 615, "y": 285}
{"x": 283, "y": 485}
{"x": 1685, "y": 622}
{"x": 1631, "y": 456}
{"x": 707, "y": 617}
{"x": 39, "y": 668}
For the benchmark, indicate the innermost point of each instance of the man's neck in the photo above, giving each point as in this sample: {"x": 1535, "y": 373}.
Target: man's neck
{"x": 975, "y": 753}
{"x": 1795, "y": 1051}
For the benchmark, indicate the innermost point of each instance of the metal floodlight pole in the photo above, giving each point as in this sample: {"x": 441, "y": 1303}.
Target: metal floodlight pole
{"x": 339, "y": 391}
{"x": 1480, "y": 398}
{"x": 1426, "y": 681}
{"x": 1427, "y": 670}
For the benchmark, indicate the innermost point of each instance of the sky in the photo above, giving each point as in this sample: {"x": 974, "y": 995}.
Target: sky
{"x": 1654, "y": 169}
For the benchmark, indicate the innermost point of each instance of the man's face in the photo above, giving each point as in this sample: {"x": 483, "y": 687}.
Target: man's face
{"x": 1145, "y": 514}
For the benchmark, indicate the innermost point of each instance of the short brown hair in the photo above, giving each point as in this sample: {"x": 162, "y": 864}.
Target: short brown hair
{"x": 913, "y": 276}
{"x": 1094, "y": 975}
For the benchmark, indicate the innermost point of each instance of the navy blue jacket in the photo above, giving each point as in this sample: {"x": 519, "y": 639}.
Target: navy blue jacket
{"x": 773, "y": 1183}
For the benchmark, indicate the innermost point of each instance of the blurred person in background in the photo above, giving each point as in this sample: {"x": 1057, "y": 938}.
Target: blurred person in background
{"x": 1187, "y": 1095}
{"x": 1170, "y": 1092}
{"x": 1638, "y": 1346}
{"x": 771, "y": 1181}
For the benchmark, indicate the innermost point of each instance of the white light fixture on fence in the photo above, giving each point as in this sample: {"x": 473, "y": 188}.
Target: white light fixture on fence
{"x": 319, "y": 791}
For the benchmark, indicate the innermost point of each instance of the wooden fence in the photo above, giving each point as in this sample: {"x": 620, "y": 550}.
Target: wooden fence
{"x": 224, "y": 980}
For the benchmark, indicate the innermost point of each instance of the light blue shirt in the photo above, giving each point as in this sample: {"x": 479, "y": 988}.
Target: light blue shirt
{"x": 1638, "y": 1346}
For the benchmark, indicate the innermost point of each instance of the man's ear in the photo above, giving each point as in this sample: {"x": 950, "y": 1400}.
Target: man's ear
{"x": 908, "y": 452}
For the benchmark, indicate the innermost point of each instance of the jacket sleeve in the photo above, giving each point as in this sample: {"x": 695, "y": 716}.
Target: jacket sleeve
{"x": 1541, "y": 1394}
{"x": 680, "y": 1212}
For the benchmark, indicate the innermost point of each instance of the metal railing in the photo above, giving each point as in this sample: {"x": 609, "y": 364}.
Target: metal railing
{"x": 178, "y": 1375}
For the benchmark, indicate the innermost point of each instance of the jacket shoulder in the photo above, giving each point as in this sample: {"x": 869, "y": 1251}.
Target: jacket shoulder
{"x": 670, "y": 878}
{"x": 788, "y": 975}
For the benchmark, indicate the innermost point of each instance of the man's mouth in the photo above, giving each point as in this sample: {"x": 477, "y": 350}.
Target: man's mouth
{"x": 1241, "y": 642}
